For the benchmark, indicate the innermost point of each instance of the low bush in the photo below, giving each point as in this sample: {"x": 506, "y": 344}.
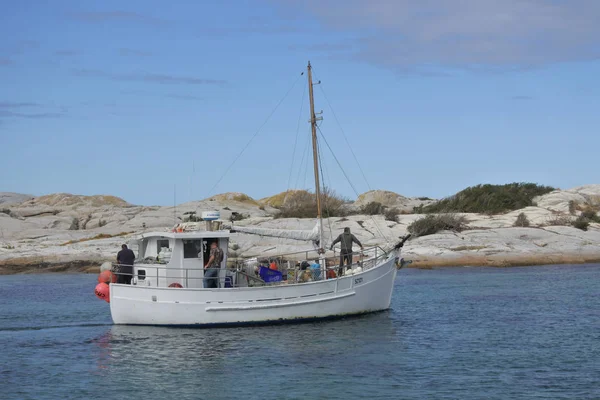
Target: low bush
{"x": 581, "y": 223}
{"x": 590, "y": 215}
{"x": 236, "y": 216}
{"x": 561, "y": 220}
{"x": 572, "y": 207}
{"x": 522, "y": 220}
{"x": 373, "y": 208}
{"x": 74, "y": 224}
{"x": 190, "y": 216}
{"x": 391, "y": 214}
{"x": 431, "y": 224}
{"x": 488, "y": 199}
{"x": 303, "y": 204}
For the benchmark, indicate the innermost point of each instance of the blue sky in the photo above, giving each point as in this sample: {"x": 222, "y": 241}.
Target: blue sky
{"x": 135, "y": 98}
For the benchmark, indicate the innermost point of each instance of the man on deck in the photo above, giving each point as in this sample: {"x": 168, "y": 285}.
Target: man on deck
{"x": 345, "y": 239}
{"x": 211, "y": 271}
{"x": 125, "y": 259}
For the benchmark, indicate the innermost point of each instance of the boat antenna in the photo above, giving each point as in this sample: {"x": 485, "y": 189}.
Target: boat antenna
{"x": 313, "y": 125}
{"x": 174, "y": 205}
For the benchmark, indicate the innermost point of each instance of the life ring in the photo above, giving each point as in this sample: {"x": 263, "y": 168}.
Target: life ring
{"x": 175, "y": 285}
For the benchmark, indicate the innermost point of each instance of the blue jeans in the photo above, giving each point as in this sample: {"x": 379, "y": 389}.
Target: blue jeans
{"x": 211, "y": 277}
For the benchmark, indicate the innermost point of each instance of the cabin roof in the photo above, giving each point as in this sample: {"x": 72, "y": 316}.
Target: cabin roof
{"x": 186, "y": 235}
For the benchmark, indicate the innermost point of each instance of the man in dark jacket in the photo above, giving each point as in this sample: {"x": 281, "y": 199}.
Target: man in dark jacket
{"x": 345, "y": 239}
{"x": 125, "y": 259}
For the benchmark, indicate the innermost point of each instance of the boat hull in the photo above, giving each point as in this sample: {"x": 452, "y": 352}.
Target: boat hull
{"x": 366, "y": 292}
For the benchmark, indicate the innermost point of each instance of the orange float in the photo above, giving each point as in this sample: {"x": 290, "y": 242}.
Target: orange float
{"x": 106, "y": 277}
{"x": 102, "y": 291}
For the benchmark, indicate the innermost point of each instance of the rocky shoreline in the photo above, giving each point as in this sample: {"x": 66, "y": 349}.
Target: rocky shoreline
{"x": 28, "y": 266}
{"x": 69, "y": 233}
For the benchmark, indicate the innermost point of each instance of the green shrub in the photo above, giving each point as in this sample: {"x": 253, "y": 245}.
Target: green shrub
{"x": 303, "y": 204}
{"x": 521, "y": 220}
{"x": 373, "y": 208}
{"x": 190, "y": 216}
{"x": 581, "y": 223}
{"x": 488, "y": 199}
{"x": 74, "y": 224}
{"x": 572, "y": 207}
{"x": 431, "y": 224}
{"x": 590, "y": 215}
{"x": 562, "y": 220}
{"x": 236, "y": 216}
{"x": 391, "y": 214}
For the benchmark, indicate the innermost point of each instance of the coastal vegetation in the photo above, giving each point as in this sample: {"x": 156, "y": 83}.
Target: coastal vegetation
{"x": 559, "y": 220}
{"x": 587, "y": 216}
{"x": 581, "y": 223}
{"x": 376, "y": 208}
{"x": 302, "y": 204}
{"x": 431, "y": 224}
{"x": 488, "y": 199}
{"x": 521, "y": 221}
{"x": 391, "y": 214}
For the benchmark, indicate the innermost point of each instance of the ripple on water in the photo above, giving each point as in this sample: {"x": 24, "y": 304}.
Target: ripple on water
{"x": 451, "y": 333}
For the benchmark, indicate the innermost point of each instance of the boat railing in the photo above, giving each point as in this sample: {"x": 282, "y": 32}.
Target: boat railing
{"x": 296, "y": 272}
{"x": 376, "y": 251}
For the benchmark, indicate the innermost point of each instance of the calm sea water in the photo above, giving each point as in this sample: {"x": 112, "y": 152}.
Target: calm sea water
{"x": 454, "y": 333}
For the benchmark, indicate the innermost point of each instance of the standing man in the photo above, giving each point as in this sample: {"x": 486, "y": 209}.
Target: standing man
{"x": 125, "y": 259}
{"x": 211, "y": 270}
{"x": 345, "y": 240}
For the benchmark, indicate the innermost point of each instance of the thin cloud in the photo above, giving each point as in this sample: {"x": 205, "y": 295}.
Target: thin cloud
{"x": 67, "y": 53}
{"x": 322, "y": 47}
{"x": 522, "y": 97}
{"x": 12, "y": 114}
{"x": 116, "y": 16}
{"x": 465, "y": 34}
{"x": 184, "y": 97}
{"x": 177, "y": 96}
{"x": 12, "y": 104}
{"x": 148, "y": 77}
{"x": 134, "y": 53}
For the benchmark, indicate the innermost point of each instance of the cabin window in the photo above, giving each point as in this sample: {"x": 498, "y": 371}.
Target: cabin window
{"x": 192, "y": 248}
{"x": 160, "y": 243}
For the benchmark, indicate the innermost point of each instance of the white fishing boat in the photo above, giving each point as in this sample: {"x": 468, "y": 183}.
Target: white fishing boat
{"x": 168, "y": 287}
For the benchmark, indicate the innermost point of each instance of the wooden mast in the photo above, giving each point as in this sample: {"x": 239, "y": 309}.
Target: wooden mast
{"x": 313, "y": 125}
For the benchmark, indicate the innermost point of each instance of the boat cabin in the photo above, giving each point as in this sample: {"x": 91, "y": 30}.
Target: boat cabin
{"x": 171, "y": 258}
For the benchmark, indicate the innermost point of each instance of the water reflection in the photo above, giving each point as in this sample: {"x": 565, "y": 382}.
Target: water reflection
{"x": 157, "y": 358}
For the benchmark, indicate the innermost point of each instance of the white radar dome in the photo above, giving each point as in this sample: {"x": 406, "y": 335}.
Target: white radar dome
{"x": 211, "y": 215}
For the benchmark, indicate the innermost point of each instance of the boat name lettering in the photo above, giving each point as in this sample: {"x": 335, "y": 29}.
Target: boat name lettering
{"x": 358, "y": 280}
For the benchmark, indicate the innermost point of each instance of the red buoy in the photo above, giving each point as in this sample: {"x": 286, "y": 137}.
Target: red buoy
{"x": 106, "y": 277}
{"x": 175, "y": 284}
{"x": 102, "y": 291}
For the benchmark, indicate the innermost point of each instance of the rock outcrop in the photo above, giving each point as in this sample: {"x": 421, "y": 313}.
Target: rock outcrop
{"x": 560, "y": 200}
{"x": 49, "y": 232}
{"x": 13, "y": 198}
{"x": 390, "y": 200}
